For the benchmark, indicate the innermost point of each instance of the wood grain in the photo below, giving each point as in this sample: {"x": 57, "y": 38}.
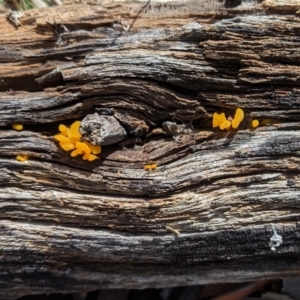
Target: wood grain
{"x": 72, "y": 225}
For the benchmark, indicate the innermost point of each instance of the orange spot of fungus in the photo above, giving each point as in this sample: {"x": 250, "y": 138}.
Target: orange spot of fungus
{"x": 22, "y": 158}
{"x": 62, "y": 138}
{"x": 218, "y": 119}
{"x": 17, "y": 126}
{"x": 254, "y": 123}
{"x": 75, "y": 130}
{"x": 238, "y": 118}
{"x": 63, "y": 129}
{"x": 225, "y": 125}
{"x": 92, "y": 157}
{"x": 150, "y": 167}
{"x": 67, "y": 146}
{"x": 94, "y": 149}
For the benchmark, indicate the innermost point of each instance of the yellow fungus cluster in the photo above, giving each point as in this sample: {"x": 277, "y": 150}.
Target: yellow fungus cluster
{"x": 70, "y": 139}
{"x": 22, "y": 158}
{"x": 219, "y": 120}
{"x": 150, "y": 167}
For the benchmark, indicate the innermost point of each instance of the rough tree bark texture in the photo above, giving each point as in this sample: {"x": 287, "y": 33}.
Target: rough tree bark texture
{"x": 71, "y": 225}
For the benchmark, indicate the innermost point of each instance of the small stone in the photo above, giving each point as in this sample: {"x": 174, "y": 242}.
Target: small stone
{"x": 102, "y": 130}
{"x": 172, "y": 128}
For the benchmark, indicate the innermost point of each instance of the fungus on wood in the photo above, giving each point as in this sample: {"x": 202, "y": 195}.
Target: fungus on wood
{"x": 216, "y": 204}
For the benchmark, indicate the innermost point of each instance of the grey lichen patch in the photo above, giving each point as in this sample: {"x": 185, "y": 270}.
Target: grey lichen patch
{"x": 102, "y": 130}
{"x": 275, "y": 239}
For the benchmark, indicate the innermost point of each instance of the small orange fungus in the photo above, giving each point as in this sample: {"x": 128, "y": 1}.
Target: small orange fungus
{"x": 67, "y": 146}
{"x": 225, "y": 125}
{"x": 94, "y": 149}
{"x": 150, "y": 167}
{"x": 81, "y": 148}
{"x": 254, "y": 123}
{"x": 92, "y": 157}
{"x": 238, "y": 118}
{"x": 218, "y": 119}
{"x": 63, "y": 129}
{"x": 75, "y": 130}
{"x": 61, "y": 138}
{"x": 22, "y": 158}
{"x": 70, "y": 139}
{"x": 17, "y": 126}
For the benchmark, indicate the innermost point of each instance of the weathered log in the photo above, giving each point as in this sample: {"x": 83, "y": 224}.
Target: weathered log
{"x": 205, "y": 214}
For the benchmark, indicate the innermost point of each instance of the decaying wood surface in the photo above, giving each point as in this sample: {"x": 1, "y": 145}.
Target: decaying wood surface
{"x": 205, "y": 214}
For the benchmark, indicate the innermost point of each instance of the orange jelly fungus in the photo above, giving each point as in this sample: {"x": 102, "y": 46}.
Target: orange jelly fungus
{"x": 69, "y": 139}
{"x": 225, "y": 125}
{"x": 85, "y": 150}
{"x": 75, "y": 130}
{"x": 150, "y": 167}
{"x": 238, "y": 118}
{"x": 17, "y": 126}
{"x": 22, "y": 158}
{"x": 218, "y": 119}
{"x": 254, "y": 123}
